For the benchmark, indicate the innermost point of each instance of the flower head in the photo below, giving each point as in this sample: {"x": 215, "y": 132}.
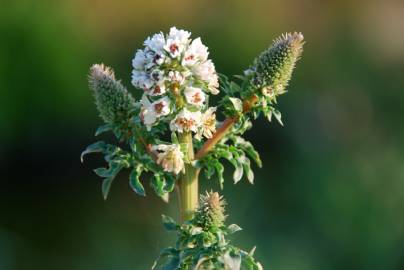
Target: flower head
{"x": 170, "y": 157}
{"x": 113, "y": 101}
{"x": 177, "y": 68}
{"x": 210, "y": 212}
{"x": 273, "y": 68}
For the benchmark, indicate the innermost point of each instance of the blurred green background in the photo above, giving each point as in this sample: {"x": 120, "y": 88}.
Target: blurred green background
{"x": 330, "y": 195}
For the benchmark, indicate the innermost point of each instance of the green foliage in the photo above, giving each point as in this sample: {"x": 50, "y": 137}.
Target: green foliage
{"x": 122, "y": 116}
{"x": 202, "y": 244}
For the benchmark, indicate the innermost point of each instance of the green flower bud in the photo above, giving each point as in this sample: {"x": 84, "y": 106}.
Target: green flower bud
{"x": 272, "y": 70}
{"x": 210, "y": 212}
{"x": 113, "y": 101}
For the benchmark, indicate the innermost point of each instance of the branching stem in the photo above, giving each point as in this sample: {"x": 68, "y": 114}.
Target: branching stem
{"x": 226, "y": 126}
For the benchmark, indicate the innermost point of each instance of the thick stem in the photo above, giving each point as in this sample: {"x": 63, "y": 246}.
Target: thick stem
{"x": 248, "y": 104}
{"x": 189, "y": 195}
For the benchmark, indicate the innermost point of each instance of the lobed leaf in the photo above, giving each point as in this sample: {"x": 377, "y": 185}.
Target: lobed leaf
{"x": 134, "y": 181}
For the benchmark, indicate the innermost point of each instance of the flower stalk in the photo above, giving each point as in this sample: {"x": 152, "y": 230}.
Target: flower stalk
{"x": 189, "y": 182}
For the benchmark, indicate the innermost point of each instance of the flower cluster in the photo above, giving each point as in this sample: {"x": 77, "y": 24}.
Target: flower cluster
{"x": 176, "y": 76}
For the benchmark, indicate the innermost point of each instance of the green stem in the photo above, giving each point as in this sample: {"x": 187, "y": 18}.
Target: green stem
{"x": 189, "y": 195}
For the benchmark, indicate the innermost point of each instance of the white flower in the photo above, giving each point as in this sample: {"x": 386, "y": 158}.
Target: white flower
{"x": 186, "y": 121}
{"x": 148, "y": 115}
{"x": 158, "y": 89}
{"x": 176, "y": 77}
{"x": 139, "y": 60}
{"x": 156, "y": 43}
{"x": 181, "y": 35}
{"x": 207, "y": 73}
{"x": 151, "y": 111}
{"x": 194, "y": 96}
{"x": 161, "y": 107}
{"x": 157, "y": 74}
{"x": 177, "y": 41}
{"x": 141, "y": 79}
{"x": 170, "y": 157}
{"x": 208, "y": 124}
{"x": 197, "y": 52}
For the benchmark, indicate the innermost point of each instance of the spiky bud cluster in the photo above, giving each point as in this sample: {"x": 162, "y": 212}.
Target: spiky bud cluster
{"x": 272, "y": 69}
{"x": 210, "y": 212}
{"x": 113, "y": 101}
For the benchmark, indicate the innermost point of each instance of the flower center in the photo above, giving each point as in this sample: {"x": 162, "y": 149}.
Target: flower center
{"x": 173, "y": 48}
{"x": 191, "y": 57}
{"x": 186, "y": 123}
{"x": 157, "y": 90}
{"x": 158, "y": 107}
{"x": 197, "y": 97}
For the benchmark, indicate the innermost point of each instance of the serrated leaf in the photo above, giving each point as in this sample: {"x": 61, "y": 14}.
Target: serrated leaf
{"x": 169, "y": 224}
{"x": 134, "y": 181}
{"x": 233, "y": 228}
{"x": 102, "y": 129}
{"x": 112, "y": 171}
{"x": 249, "y": 149}
{"x": 93, "y": 148}
{"x": 106, "y": 186}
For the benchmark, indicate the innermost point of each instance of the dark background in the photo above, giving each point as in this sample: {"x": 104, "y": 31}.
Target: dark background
{"x": 330, "y": 194}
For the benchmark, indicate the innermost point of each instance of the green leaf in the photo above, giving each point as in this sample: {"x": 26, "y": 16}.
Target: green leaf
{"x": 93, "y": 148}
{"x": 169, "y": 181}
{"x": 112, "y": 171}
{"x": 209, "y": 170}
{"x": 238, "y": 173}
{"x": 237, "y": 104}
{"x": 278, "y": 116}
{"x": 233, "y": 228}
{"x": 106, "y": 186}
{"x": 134, "y": 181}
{"x": 219, "y": 170}
{"x": 249, "y": 149}
{"x": 102, "y": 129}
{"x": 169, "y": 224}
{"x": 157, "y": 184}
{"x": 167, "y": 252}
{"x": 247, "y": 168}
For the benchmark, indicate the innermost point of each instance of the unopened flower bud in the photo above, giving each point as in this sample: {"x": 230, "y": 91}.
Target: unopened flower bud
{"x": 210, "y": 212}
{"x": 272, "y": 70}
{"x": 113, "y": 101}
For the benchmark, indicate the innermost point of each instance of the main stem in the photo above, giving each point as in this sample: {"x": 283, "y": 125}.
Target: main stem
{"x": 189, "y": 193}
